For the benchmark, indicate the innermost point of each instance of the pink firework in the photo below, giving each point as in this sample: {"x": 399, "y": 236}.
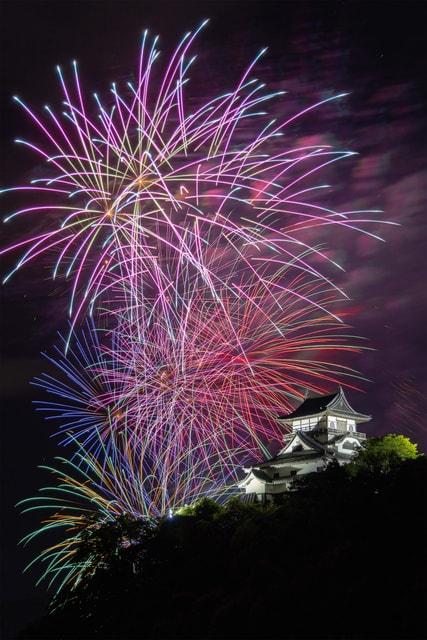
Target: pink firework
{"x": 138, "y": 170}
{"x": 191, "y": 387}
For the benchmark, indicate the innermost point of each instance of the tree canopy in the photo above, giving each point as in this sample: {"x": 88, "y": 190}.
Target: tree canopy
{"x": 381, "y": 454}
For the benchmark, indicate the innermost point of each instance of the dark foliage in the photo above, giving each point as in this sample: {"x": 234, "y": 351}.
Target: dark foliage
{"x": 341, "y": 557}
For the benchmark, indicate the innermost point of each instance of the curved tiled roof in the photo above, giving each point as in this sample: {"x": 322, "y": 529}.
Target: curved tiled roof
{"x": 260, "y": 475}
{"x": 293, "y": 456}
{"x": 311, "y": 406}
{"x": 336, "y": 402}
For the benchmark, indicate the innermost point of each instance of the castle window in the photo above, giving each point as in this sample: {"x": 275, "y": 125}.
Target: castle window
{"x": 342, "y": 424}
{"x": 349, "y": 445}
{"x": 276, "y": 475}
{"x": 298, "y": 447}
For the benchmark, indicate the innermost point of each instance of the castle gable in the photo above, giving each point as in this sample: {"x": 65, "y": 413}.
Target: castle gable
{"x": 341, "y": 404}
{"x": 300, "y": 442}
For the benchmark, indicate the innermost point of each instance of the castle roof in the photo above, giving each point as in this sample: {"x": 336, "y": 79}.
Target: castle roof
{"x": 260, "y": 475}
{"x": 315, "y": 450}
{"x": 334, "y": 402}
{"x": 292, "y": 456}
{"x": 311, "y": 406}
{"x": 291, "y": 462}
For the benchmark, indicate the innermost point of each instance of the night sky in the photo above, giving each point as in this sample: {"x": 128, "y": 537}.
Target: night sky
{"x": 375, "y": 51}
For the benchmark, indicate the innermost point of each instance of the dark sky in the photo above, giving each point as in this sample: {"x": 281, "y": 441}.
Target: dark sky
{"x": 376, "y": 51}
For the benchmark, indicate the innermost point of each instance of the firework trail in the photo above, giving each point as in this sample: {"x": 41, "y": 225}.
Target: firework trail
{"x": 86, "y": 496}
{"x": 407, "y": 410}
{"x": 89, "y": 494}
{"x": 137, "y": 170}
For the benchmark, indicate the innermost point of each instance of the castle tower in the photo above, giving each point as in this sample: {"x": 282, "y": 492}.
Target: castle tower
{"x": 323, "y": 428}
{"x": 325, "y": 417}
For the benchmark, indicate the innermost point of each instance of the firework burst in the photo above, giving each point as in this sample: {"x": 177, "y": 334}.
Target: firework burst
{"x": 138, "y": 171}
{"x": 192, "y": 387}
{"x": 187, "y": 238}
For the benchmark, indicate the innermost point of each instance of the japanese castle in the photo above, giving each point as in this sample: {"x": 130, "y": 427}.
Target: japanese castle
{"x": 323, "y": 428}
